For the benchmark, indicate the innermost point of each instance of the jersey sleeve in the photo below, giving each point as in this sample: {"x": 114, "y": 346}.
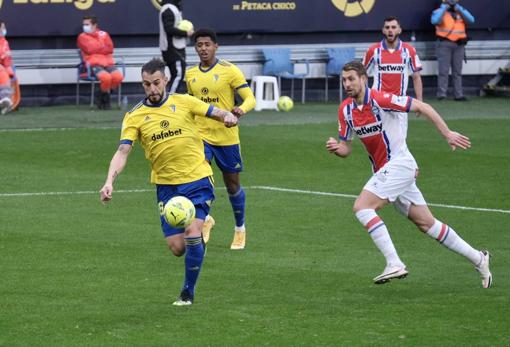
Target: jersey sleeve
{"x": 344, "y": 129}
{"x": 414, "y": 60}
{"x": 393, "y": 102}
{"x": 130, "y": 131}
{"x": 198, "y": 107}
{"x": 188, "y": 85}
{"x": 368, "y": 58}
{"x": 237, "y": 78}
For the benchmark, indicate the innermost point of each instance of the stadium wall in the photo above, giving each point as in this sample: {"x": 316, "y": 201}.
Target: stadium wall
{"x": 304, "y": 26}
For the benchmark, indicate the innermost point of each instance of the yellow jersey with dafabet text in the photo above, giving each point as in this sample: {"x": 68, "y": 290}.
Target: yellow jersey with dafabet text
{"x": 217, "y": 85}
{"x": 169, "y": 136}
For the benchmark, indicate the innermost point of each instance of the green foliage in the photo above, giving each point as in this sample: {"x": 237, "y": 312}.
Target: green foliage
{"x": 77, "y": 273}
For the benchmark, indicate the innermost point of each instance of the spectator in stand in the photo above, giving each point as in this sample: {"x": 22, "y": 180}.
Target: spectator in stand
{"x": 97, "y": 50}
{"x": 450, "y": 20}
{"x": 6, "y": 71}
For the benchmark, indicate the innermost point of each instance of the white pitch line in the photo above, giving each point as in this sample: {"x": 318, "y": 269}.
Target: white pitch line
{"x": 269, "y": 188}
{"x": 8, "y": 195}
{"x": 311, "y": 192}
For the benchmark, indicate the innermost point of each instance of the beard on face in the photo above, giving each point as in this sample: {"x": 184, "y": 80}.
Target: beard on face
{"x": 155, "y": 98}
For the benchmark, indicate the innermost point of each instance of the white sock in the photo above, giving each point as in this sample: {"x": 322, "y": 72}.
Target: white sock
{"x": 380, "y": 235}
{"x": 240, "y": 229}
{"x": 449, "y": 238}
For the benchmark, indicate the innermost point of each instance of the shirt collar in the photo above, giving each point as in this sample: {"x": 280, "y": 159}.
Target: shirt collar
{"x": 210, "y": 67}
{"x": 146, "y": 101}
{"x": 385, "y": 47}
{"x": 366, "y": 99}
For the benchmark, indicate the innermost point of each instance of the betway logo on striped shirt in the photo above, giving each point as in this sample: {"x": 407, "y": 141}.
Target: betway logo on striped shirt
{"x": 391, "y": 68}
{"x": 368, "y": 130}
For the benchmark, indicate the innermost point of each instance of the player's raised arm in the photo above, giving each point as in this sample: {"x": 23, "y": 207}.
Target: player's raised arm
{"x": 248, "y": 104}
{"x": 117, "y": 164}
{"x": 453, "y": 138}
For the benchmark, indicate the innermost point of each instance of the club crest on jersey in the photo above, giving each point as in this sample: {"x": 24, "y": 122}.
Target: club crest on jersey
{"x": 164, "y": 124}
{"x": 172, "y": 107}
{"x": 204, "y": 91}
{"x": 399, "y": 100}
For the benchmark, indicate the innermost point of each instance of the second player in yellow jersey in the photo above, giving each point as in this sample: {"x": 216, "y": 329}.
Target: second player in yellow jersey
{"x": 216, "y": 81}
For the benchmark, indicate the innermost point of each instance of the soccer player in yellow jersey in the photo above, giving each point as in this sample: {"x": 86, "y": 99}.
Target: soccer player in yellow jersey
{"x": 165, "y": 127}
{"x": 216, "y": 81}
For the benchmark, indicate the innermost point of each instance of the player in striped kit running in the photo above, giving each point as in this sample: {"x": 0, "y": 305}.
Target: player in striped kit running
{"x": 376, "y": 119}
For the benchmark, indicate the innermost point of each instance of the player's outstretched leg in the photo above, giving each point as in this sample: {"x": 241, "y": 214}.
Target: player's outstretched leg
{"x": 238, "y": 201}
{"x": 446, "y": 236}
{"x": 193, "y": 263}
{"x": 377, "y": 230}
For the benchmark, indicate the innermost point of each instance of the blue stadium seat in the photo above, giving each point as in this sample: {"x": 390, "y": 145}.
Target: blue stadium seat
{"x": 85, "y": 74}
{"x": 337, "y": 58}
{"x": 277, "y": 63}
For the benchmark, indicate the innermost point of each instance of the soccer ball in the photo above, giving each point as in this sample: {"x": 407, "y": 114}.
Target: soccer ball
{"x": 185, "y": 25}
{"x": 179, "y": 212}
{"x": 285, "y": 103}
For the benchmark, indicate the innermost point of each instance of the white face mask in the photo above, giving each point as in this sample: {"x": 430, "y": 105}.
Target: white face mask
{"x": 87, "y": 28}
{"x": 4, "y": 32}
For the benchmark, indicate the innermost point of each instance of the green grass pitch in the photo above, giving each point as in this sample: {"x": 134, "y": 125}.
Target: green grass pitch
{"x": 76, "y": 273}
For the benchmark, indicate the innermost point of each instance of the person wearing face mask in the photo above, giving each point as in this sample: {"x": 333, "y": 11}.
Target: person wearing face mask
{"x": 450, "y": 20}
{"x": 6, "y": 72}
{"x": 96, "y": 48}
{"x": 172, "y": 43}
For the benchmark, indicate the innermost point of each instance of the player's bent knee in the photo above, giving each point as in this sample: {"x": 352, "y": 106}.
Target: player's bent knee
{"x": 176, "y": 250}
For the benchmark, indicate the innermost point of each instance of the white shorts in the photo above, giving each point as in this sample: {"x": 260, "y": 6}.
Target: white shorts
{"x": 396, "y": 182}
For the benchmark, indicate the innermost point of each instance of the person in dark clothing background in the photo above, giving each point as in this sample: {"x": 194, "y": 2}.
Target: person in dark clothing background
{"x": 172, "y": 43}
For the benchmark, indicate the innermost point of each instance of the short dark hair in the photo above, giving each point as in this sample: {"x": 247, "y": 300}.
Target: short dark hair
{"x": 392, "y": 18}
{"x": 205, "y": 33}
{"x": 93, "y": 19}
{"x": 154, "y": 65}
{"x": 355, "y": 66}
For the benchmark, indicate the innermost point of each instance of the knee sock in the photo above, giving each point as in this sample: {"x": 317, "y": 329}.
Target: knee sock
{"x": 380, "y": 235}
{"x": 449, "y": 238}
{"x": 237, "y": 201}
{"x": 193, "y": 262}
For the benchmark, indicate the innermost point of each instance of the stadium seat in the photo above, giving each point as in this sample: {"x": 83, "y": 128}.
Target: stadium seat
{"x": 337, "y": 58}
{"x": 85, "y": 74}
{"x": 277, "y": 63}
{"x": 266, "y": 92}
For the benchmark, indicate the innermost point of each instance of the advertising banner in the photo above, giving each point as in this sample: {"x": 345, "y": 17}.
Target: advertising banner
{"x": 140, "y": 17}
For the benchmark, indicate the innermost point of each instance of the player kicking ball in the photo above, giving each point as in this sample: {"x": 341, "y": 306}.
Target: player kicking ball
{"x": 376, "y": 119}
